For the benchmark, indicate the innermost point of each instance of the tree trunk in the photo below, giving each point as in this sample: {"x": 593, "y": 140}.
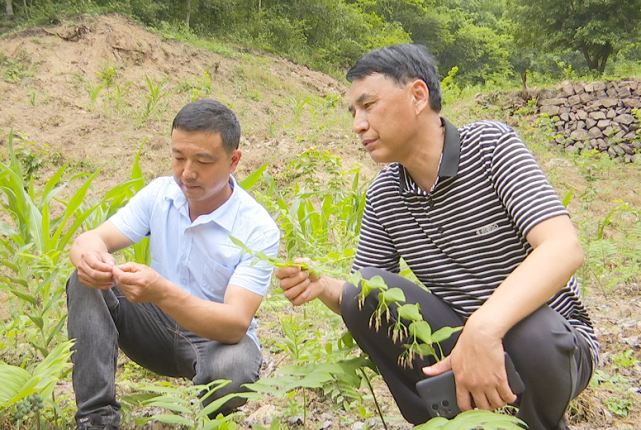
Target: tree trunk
{"x": 524, "y": 94}
{"x": 26, "y": 9}
{"x": 9, "y": 9}
{"x": 188, "y": 13}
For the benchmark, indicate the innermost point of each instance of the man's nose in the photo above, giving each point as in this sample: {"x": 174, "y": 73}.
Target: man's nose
{"x": 360, "y": 123}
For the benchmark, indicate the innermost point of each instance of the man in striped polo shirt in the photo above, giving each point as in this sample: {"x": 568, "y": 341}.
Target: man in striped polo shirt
{"x": 474, "y": 217}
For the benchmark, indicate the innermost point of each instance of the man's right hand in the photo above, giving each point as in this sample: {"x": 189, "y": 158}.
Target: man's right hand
{"x": 95, "y": 270}
{"x": 299, "y": 285}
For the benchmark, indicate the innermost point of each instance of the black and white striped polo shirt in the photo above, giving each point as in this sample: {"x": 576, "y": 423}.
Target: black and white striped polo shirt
{"x": 466, "y": 235}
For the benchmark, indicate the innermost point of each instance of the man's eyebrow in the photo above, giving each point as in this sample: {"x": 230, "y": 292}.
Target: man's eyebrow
{"x": 358, "y": 101}
{"x": 200, "y": 154}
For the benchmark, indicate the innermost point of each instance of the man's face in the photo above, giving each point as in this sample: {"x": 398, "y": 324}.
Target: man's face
{"x": 201, "y": 167}
{"x": 383, "y": 116}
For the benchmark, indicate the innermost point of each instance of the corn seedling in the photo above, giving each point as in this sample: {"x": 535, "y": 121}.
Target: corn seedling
{"x": 154, "y": 96}
{"x": 93, "y": 91}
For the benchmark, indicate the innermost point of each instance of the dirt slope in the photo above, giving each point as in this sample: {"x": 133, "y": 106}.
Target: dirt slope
{"x": 53, "y": 70}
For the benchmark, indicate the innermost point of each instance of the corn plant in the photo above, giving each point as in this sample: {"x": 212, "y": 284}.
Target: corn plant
{"x": 155, "y": 94}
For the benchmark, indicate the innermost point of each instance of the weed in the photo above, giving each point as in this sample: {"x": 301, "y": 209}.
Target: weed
{"x": 107, "y": 77}
{"x": 619, "y": 406}
{"x": 17, "y": 68}
{"x": 200, "y": 85}
{"x": 624, "y": 360}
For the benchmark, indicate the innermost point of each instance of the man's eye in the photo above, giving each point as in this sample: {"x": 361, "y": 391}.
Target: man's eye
{"x": 178, "y": 158}
{"x": 366, "y": 106}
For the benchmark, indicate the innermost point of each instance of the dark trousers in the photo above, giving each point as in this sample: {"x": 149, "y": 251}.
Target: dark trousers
{"x": 553, "y": 360}
{"x": 101, "y": 321}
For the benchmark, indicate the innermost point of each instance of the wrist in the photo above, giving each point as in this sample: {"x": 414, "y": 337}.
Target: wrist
{"x": 491, "y": 327}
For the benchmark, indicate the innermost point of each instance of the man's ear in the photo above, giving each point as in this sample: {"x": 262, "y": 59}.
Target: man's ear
{"x": 420, "y": 96}
{"x": 235, "y": 158}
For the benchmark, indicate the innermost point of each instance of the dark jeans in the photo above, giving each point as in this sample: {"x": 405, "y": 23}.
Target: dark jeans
{"x": 102, "y": 321}
{"x": 553, "y": 360}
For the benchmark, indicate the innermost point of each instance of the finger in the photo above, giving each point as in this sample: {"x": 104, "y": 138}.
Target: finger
{"x": 506, "y": 394}
{"x": 88, "y": 274}
{"x": 294, "y": 280}
{"x": 463, "y": 398}
{"x": 481, "y": 401}
{"x": 129, "y": 267}
{"x": 495, "y": 400}
{"x": 123, "y": 277}
{"x": 286, "y": 272}
{"x": 438, "y": 368}
{"x": 297, "y": 293}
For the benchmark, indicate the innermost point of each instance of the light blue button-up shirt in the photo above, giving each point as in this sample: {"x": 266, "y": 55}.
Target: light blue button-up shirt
{"x": 198, "y": 256}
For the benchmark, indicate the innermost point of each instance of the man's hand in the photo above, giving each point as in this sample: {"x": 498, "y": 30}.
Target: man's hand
{"x": 139, "y": 283}
{"x": 95, "y": 270}
{"x": 299, "y": 285}
{"x": 478, "y": 364}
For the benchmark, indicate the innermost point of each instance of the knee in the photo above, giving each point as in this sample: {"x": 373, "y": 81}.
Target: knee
{"x": 541, "y": 344}
{"x": 233, "y": 362}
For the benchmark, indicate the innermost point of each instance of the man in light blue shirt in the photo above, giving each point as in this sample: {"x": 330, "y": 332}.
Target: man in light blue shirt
{"x": 191, "y": 313}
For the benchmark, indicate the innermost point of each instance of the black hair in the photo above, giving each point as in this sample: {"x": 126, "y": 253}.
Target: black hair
{"x": 210, "y": 116}
{"x": 401, "y": 63}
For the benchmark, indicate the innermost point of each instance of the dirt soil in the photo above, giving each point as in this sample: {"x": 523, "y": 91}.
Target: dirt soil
{"x": 49, "y": 74}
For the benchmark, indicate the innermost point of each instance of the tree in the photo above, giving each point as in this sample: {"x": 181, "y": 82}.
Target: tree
{"x": 596, "y": 28}
{"x": 9, "y": 9}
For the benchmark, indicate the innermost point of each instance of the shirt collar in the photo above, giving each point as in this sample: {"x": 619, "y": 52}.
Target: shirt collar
{"x": 448, "y": 163}
{"x": 224, "y": 216}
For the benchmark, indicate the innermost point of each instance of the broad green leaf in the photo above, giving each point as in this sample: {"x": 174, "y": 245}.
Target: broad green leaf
{"x": 393, "y": 295}
{"x": 172, "y": 419}
{"x": 410, "y": 312}
{"x": 444, "y": 333}
{"x": 421, "y": 330}
{"x": 253, "y": 177}
{"x": 376, "y": 282}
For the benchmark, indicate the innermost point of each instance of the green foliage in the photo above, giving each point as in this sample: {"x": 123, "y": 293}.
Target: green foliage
{"x": 156, "y": 93}
{"x": 596, "y": 29}
{"x": 471, "y": 420}
{"x": 16, "y": 68}
{"x": 19, "y": 383}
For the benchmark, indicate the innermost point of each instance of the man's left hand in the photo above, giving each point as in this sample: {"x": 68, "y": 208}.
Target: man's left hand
{"x": 139, "y": 283}
{"x": 478, "y": 364}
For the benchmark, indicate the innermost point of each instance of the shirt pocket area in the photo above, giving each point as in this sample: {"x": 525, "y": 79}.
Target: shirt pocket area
{"x": 214, "y": 279}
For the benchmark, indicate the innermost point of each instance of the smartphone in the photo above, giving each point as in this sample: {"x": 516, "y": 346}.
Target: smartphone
{"x": 439, "y": 392}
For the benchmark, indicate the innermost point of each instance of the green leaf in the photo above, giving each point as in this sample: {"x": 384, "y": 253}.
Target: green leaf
{"x": 410, "y": 312}
{"x": 444, "y": 333}
{"x": 376, "y": 283}
{"x": 172, "y": 419}
{"x": 250, "y": 180}
{"x": 421, "y": 330}
{"x": 393, "y": 295}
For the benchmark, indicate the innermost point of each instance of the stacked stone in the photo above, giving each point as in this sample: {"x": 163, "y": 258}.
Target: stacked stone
{"x": 597, "y": 115}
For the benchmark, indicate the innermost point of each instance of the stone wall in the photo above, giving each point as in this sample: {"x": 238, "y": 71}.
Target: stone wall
{"x": 596, "y": 115}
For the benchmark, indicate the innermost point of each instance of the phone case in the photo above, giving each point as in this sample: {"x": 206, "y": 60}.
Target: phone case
{"x": 439, "y": 392}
